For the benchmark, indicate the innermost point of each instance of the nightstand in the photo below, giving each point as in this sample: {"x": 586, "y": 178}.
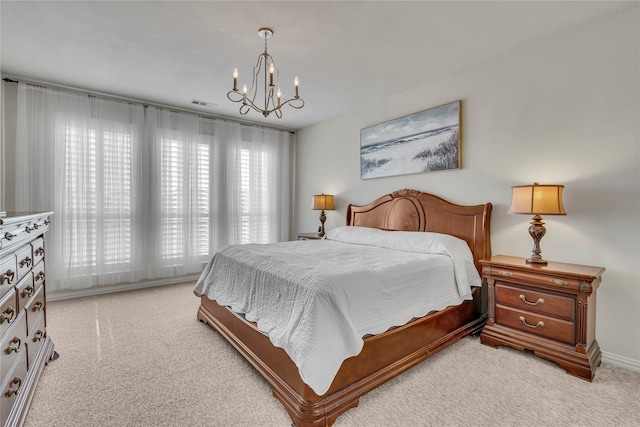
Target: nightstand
{"x": 309, "y": 236}
{"x": 548, "y": 309}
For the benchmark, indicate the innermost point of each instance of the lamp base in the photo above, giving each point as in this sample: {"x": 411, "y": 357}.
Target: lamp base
{"x": 323, "y": 218}
{"x": 537, "y": 231}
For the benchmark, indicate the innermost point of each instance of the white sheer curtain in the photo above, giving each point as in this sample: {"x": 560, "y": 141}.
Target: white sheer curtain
{"x": 258, "y": 177}
{"x": 142, "y": 192}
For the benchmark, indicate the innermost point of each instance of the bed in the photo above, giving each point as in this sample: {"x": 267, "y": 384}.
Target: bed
{"x": 383, "y": 355}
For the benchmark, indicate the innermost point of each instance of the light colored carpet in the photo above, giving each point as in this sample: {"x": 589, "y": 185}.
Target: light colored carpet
{"x": 140, "y": 358}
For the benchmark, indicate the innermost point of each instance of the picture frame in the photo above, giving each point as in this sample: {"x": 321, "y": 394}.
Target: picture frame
{"x": 421, "y": 142}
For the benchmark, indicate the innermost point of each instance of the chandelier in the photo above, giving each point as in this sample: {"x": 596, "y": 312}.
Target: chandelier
{"x": 266, "y": 77}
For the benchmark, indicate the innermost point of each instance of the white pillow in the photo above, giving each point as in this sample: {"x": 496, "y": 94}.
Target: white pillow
{"x": 415, "y": 241}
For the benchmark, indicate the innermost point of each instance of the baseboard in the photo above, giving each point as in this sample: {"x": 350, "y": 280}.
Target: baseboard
{"x": 621, "y": 361}
{"x": 101, "y": 290}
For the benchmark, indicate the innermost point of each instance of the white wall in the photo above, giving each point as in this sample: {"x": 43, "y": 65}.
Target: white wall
{"x": 562, "y": 110}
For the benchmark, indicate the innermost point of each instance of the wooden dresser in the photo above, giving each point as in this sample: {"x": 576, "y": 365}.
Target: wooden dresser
{"x": 548, "y": 309}
{"x": 25, "y": 346}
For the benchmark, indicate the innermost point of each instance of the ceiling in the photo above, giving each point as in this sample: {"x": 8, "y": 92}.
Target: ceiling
{"x": 345, "y": 53}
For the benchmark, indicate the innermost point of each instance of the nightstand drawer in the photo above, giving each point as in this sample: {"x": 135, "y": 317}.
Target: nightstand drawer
{"x": 535, "y": 278}
{"x": 536, "y": 301}
{"x": 538, "y": 324}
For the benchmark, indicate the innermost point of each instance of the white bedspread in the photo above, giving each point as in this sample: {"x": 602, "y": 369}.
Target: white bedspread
{"x": 317, "y": 299}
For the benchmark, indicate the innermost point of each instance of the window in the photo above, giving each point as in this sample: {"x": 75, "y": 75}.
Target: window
{"x": 144, "y": 193}
{"x": 254, "y": 196}
{"x": 98, "y": 198}
{"x": 185, "y": 199}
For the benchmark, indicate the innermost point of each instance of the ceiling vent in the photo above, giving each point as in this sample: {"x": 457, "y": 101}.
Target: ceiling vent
{"x": 202, "y": 103}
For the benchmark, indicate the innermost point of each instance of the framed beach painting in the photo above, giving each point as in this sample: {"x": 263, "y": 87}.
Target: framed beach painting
{"x": 420, "y": 142}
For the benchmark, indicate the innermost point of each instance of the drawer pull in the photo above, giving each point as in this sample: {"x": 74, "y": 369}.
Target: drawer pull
{"x": 12, "y": 345}
{"x": 28, "y": 229}
{"x": 11, "y": 391}
{"x": 9, "y": 276}
{"x": 37, "y": 306}
{"x": 39, "y": 276}
{"x": 504, "y": 273}
{"x": 9, "y": 314}
{"x": 27, "y": 292}
{"x": 26, "y": 261}
{"x": 9, "y": 236}
{"x": 539, "y": 325}
{"x": 46, "y": 222}
{"x": 36, "y": 226}
{"x": 559, "y": 282}
{"x": 39, "y": 251}
{"x": 38, "y": 336}
{"x": 524, "y": 299}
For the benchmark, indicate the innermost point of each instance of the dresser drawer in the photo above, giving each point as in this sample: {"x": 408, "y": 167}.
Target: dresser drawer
{"x": 12, "y": 386}
{"x": 38, "y": 274}
{"x": 13, "y": 344}
{"x": 35, "y": 339}
{"x": 37, "y": 247}
{"x": 534, "y": 278}
{"x": 24, "y": 260}
{"x": 8, "y": 310}
{"x": 536, "y": 301}
{"x": 35, "y": 307}
{"x": 25, "y": 290}
{"x": 8, "y": 274}
{"x": 538, "y": 324}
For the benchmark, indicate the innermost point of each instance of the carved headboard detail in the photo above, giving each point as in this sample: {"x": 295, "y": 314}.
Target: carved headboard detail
{"x": 412, "y": 210}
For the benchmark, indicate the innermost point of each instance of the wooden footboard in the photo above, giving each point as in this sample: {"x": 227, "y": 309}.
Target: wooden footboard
{"x": 382, "y": 358}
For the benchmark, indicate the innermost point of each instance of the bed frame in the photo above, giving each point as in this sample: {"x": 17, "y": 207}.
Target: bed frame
{"x": 383, "y": 356}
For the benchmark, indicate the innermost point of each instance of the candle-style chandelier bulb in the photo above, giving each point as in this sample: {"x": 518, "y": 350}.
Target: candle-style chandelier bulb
{"x": 265, "y": 74}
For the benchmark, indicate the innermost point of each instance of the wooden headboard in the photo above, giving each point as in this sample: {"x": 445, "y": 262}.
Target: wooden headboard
{"x": 412, "y": 210}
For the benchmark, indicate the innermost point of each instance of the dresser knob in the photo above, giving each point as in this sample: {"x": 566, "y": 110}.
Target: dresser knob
{"x": 8, "y": 277}
{"x": 26, "y": 292}
{"x": 14, "y": 345}
{"x": 28, "y": 229}
{"x": 9, "y": 236}
{"x": 524, "y": 299}
{"x": 38, "y": 336}
{"x": 539, "y": 325}
{"x": 9, "y": 314}
{"x": 37, "y": 306}
{"x": 39, "y": 251}
{"x": 39, "y": 276}
{"x": 26, "y": 261}
{"x": 15, "y": 381}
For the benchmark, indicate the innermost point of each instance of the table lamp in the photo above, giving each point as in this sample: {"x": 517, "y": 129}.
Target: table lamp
{"x": 322, "y": 202}
{"x": 537, "y": 200}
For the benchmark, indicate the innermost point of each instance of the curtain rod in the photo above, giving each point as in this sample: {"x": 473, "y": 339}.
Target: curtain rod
{"x": 46, "y": 85}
